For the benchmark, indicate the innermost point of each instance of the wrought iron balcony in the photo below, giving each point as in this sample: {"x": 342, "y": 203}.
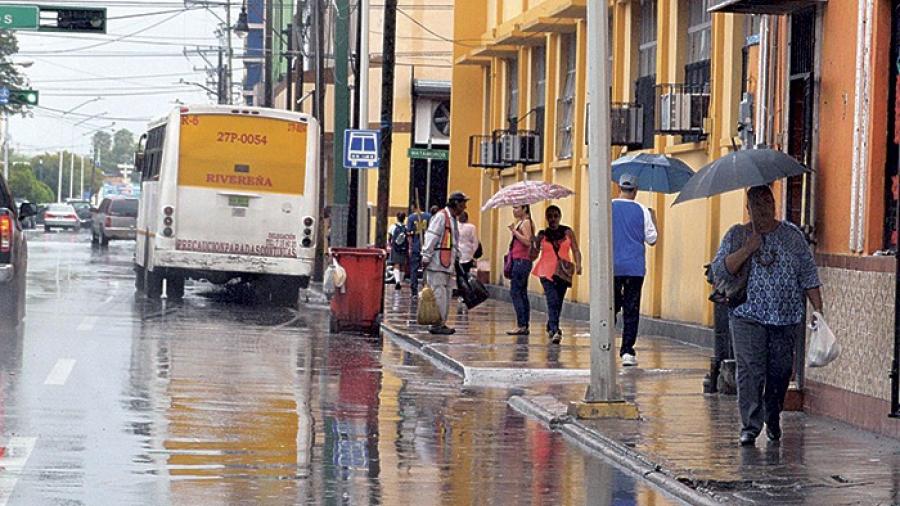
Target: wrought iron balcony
{"x": 682, "y": 109}
{"x": 505, "y": 148}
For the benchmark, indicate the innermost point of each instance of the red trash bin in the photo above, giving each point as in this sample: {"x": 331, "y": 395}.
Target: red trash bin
{"x": 358, "y": 305}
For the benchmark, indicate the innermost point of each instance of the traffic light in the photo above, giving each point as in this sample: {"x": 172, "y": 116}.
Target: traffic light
{"x": 23, "y": 97}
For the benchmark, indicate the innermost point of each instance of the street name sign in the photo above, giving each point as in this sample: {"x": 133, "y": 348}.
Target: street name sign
{"x": 19, "y": 17}
{"x": 425, "y": 154}
{"x": 362, "y": 149}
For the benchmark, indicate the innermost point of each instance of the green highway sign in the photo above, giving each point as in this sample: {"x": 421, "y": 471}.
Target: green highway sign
{"x": 19, "y": 17}
{"x": 425, "y": 154}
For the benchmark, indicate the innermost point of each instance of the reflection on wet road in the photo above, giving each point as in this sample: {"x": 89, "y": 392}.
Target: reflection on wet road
{"x": 108, "y": 398}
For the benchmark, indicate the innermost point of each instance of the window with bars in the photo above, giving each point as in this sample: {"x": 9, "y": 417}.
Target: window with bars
{"x": 647, "y": 43}
{"x": 512, "y": 91}
{"x": 566, "y": 100}
{"x": 538, "y": 87}
{"x": 699, "y": 31}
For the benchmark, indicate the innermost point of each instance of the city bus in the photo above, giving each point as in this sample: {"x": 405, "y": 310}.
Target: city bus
{"x": 228, "y": 193}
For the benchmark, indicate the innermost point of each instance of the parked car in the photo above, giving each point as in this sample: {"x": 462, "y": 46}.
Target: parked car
{"x": 116, "y": 218}
{"x": 13, "y": 258}
{"x": 61, "y": 216}
{"x": 83, "y": 210}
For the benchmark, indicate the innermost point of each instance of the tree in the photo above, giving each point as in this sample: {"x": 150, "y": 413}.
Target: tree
{"x": 102, "y": 143}
{"x": 45, "y": 168}
{"x": 9, "y": 74}
{"x": 25, "y": 185}
{"x": 123, "y": 146}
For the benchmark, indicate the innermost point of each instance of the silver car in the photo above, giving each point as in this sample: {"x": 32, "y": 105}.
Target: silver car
{"x": 116, "y": 218}
{"x": 61, "y": 216}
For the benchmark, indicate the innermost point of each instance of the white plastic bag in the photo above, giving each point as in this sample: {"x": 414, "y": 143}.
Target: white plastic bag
{"x": 823, "y": 347}
{"x": 334, "y": 278}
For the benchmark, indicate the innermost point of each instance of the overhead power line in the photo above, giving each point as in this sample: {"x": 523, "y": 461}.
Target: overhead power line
{"x": 151, "y": 26}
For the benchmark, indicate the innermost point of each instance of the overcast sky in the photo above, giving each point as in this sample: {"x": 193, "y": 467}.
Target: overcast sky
{"x": 134, "y": 69}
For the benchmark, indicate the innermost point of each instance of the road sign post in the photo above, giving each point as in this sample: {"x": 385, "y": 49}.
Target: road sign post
{"x": 361, "y": 149}
{"x": 19, "y": 17}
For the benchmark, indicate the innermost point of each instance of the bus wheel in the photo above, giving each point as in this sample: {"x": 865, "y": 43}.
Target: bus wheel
{"x": 153, "y": 284}
{"x": 138, "y": 278}
{"x": 175, "y": 287}
{"x": 286, "y": 292}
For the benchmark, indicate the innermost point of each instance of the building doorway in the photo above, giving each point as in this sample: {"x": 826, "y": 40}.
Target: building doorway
{"x": 798, "y": 206}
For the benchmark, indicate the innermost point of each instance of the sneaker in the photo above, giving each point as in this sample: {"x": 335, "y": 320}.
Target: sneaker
{"x": 397, "y": 286}
{"x": 773, "y": 431}
{"x": 521, "y": 331}
{"x": 442, "y": 330}
{"x": 629, "y": 360}
{"x": 556, "y": 337}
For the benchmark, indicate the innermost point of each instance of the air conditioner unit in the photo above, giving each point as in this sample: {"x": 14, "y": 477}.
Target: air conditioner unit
{"x": 671, "y": 112}
{"x": 432, "y": 122}
{"x": 487, "y": 154}
{"x": 510, "y": 148}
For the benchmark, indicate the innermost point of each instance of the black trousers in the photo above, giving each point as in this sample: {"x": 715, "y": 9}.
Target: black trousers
{"x": 628, "y": 299}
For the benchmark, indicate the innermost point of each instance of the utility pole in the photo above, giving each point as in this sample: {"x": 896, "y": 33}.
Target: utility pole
{"x": 220, "y": 82}
{"x": 362, "y": 86}
{"x": 602, "y": 399}
{"x": 268, "y": 50}
{"x": 289, "y": 88}
{"x": 387, "y": 120}
{"x": 228, "y": 71}
{"x": 5, "y": 132}
{"x": 318, "y": 113}
{"x": 94, "y": 163}
{"x": 341, "y": 122}
{"x": 59, "y": 179}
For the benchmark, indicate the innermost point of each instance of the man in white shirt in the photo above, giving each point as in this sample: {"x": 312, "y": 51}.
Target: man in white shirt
{"x": 440, "y": 254}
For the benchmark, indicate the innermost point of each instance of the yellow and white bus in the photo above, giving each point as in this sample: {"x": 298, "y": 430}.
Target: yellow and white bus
{"x": 228, "y": 192}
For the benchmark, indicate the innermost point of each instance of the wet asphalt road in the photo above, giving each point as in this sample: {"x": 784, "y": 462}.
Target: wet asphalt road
{"x": 109, "y": 398}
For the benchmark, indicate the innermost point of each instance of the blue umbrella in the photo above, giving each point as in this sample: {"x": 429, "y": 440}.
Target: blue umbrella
{"x": 655, "y": 173}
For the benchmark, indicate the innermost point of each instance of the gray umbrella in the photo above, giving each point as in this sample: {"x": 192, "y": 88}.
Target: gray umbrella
{"x": 740, "y": 169}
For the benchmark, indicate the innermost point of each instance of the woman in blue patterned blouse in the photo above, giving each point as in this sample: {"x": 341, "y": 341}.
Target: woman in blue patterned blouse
{"x": 782, "y": 276}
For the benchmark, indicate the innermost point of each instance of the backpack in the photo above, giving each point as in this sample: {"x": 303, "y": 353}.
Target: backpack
{"x": 399, "y": 236}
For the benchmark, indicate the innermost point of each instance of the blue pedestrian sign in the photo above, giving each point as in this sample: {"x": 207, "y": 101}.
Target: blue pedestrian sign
{"x": 362, "y": 149}
{"x": 4, "y": 95}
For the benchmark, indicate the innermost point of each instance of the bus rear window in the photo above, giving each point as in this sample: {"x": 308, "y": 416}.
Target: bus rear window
{"x": 247, "y": 153}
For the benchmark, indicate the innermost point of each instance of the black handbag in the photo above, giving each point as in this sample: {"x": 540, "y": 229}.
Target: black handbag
{"x": 731, "y": 291}
{"x": 472, "y": 291}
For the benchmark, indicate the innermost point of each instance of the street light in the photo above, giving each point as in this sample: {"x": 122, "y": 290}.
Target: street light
{"x": 242, "y": 28}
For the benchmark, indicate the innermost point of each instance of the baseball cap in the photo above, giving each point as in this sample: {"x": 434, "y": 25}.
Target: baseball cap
{"x": 628, "y": 182}
{"x": 458, "y": 196}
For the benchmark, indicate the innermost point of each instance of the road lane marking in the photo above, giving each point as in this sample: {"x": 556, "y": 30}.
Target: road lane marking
{"x": 12, "y": 462}
{"x": 60, "y": 372}
{"x": 87, "y": 324}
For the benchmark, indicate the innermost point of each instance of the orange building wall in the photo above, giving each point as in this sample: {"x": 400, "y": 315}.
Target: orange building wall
{"x": 836, "y": 104}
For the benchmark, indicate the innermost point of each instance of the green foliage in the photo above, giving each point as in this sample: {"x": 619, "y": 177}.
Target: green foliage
{"x": 46, "y": 170}
{"x": 123, "y": 146}
{"x": 9, "y": 74}
{"x": 24, "y": 185}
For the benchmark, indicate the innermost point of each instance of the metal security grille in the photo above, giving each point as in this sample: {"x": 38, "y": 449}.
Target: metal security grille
{"x": 803, "y": 27}
{"x": 645, "y": 97}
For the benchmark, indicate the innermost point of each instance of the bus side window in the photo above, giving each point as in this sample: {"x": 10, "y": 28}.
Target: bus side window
{"x": 152, "y": 156}
{"x": 139, "y": 157}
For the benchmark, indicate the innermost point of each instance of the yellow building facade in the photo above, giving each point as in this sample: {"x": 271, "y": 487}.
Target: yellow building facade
{"x": 526, "y": 60}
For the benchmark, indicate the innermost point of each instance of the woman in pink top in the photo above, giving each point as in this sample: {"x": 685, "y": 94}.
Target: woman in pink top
{"x": 522, "y": 231}
{"x": 557, "y": 243}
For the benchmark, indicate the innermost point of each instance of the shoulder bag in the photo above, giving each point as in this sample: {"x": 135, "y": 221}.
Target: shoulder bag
{"x": 733, "y": 290}
{"x": 565, "y": 270}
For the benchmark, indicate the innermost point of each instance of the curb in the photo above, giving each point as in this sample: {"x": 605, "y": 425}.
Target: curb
{"x": 483, "y": 376}
{"x": 596, "y": 443}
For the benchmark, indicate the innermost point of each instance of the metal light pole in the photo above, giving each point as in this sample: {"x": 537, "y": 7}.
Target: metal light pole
{"x": 362, "y": 197}
{"x": 72, "y": 175}
{"x": 602, "y": 399}
{"x": 81, "y": 194}
{"x": 59, "y": 180}
{"x": 5, "y": 119}
{"x": 228, "y": 73}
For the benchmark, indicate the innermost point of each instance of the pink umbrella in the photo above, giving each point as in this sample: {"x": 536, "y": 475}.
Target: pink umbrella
{"x": 526, "y": 192}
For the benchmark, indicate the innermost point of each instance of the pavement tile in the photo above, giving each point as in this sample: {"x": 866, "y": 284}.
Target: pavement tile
{"x": 688, "y": 435}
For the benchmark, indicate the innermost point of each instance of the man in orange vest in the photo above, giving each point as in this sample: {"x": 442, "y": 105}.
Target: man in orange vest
{"x": 440, "y": 254}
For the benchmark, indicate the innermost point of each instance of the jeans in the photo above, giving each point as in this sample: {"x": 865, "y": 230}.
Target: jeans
{"x": 518, "y": 290}
{"x": 415, "y": 262}
{"x": 765, "y": 357}
{"x": 555, "y": 293}
{"x": 628, "y": 299}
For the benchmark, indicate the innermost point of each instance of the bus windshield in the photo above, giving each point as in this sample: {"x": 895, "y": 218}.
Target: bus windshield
{"x": 246, "y": 153}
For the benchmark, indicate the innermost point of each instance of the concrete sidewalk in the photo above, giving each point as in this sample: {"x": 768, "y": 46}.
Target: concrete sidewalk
{"x": 685, "y": 442}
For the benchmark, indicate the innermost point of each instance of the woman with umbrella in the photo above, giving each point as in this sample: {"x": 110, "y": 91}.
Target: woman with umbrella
{"x": 780, "y": 274}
